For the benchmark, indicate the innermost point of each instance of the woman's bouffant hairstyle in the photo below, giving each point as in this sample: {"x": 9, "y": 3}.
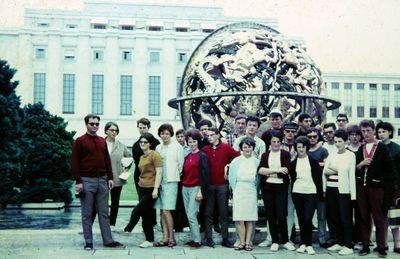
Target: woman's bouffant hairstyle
{"x": 166, "y": 126}
{"x": 194, "y": 134}
{"x": 302, "y": 140}
{"x": 248, "y": 141}
{"x": 150, "y": 138}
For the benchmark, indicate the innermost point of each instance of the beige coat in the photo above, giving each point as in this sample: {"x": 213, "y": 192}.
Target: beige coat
{"x": 118, "y": 151}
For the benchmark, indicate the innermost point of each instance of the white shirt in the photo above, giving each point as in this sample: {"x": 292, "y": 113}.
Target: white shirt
{"x": 330, "y": 147}
{"x": 258, "y": 150}
{"x": 246, "y": 171}
{"x": 274, "y": 162}
{"x": 304, "y": 182}
{"x": 346, "y": 165}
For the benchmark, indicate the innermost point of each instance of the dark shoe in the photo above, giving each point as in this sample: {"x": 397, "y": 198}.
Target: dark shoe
{"x": 88, "y": 246}
{"x": 114, "y": 244}
{"x": 196, "y": 245}
{"x": 226, "y": 243}
{"x": 161, "y": 243}
{"x": 190, "y": 243}
{"x": 376, "y": 249}
{"x": 382, "y": 253}
{"x": 364, "y": 251}
{"x": 257, "y": 230}
{"x": 171, "y": 243}
{"x": 396, "y": 250}
{"x": 210, "y": 242}
{"x": 127, "y": 229}
{"x": 325, "y": 245}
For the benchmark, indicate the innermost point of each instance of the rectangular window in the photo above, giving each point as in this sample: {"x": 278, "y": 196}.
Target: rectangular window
{"x": 360, "y": 111}
{"x": 397, "y": 101}
{"x": 154, "y": 96}
{"x": 127, "y": 27}
{"x": 39, "y": 88}
{"x": 181, "y": 29}
{"x": 207, "y": 30}
{"x": 155, "y": 28}
{"x": 97, "y": 94}
{"x": 347, "y": 99}
{"x": 126, "y": 95}
{"x": 335, "y": 93}
{"x": 126, "y": 56}
{"x": 69, "y": 55}
{"x": 182, "y": 57}
{"x": 360, "y": 100}
{"x": 43, "y": 24}
{"x": 68, "y": 93}
{"x": 40, "y": 53}
{"x": 154, "y": 56}
{"x": 372, "y": 100}
{"x": 98, "y": 55}
{"x": 385, "y": 100}
{"x": 99, "y": 26}
{"x": 71, "y": 26}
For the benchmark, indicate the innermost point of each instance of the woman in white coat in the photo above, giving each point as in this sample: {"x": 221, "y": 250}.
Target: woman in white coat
{"x": 339, "y": 185}
{"x": 172, "y": 155}
{"x": 243, "y": 179}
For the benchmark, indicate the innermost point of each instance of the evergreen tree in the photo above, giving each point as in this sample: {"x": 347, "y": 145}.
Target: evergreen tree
{"x": 47, "y": 147}
{"x": 11, "y": 156}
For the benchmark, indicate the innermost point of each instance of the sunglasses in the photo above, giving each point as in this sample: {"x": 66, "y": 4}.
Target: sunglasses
{"x": 291, "y": 131}
{"x": 341, "y": 120}
{"x": 143, "y": 142}
{"x": 312, "y": 136}
{"x": 94, "y": 124}
{"x": 113, "y": 130}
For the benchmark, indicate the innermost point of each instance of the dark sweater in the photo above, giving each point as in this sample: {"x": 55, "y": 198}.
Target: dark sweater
{"x": 316, "y": 175}
{"x": 380, "y": 172}
{"x": 90, "y": 158}
{"x": 285, "y": 162}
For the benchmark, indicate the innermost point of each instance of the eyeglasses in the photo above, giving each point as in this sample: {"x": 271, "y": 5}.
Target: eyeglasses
{"x": 94, "y": 124}
{"x": 312, "y": 136}
{"x": 113, "y": 130}
{"x": 143, "y": 142}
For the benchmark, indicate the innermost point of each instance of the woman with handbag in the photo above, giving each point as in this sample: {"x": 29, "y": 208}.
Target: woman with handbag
{"x": 117, "y": 151}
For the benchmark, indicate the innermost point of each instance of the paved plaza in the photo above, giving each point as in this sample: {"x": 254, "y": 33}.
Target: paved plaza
{"x": 58, "y": 234}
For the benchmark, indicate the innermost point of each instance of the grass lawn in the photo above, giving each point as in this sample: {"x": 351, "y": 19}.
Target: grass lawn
{"x": 129, "y": 190}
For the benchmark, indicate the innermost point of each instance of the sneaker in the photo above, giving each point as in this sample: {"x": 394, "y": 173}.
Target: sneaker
{"x": 226, "y": 243}
{"x": 301, "y": 249}
{"x": 346, "y": 251}
{"x": 146, "y": 244}
{"x": 88, "y": 246}
{"x": 335, "y": 248}
{"x": 289, "y": 246}
{"x": 114, "y": 244}
{"x": 237, "y": 243}
{"x": 274, "y": 247}
{"x": 364, "y": 251}
{"x": 310, "y": 250}
{"x": 382, "y": 253}
{"x": 358, "y": 246}
{"x": 265, "y": 243}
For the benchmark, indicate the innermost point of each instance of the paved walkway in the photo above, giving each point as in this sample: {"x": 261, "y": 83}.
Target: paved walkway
{"x": 58, "y": 234}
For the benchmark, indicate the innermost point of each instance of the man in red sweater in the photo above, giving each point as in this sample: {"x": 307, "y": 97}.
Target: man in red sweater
{"x": 219, "y": 155}
{"x": 91, "y": 167}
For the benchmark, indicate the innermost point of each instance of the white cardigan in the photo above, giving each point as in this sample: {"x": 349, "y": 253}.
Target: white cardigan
{"x": 346, "y": 164}
{"x": 174, "y": 161}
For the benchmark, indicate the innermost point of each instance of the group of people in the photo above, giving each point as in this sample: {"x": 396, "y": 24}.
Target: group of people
{"x": 342, "y": 172}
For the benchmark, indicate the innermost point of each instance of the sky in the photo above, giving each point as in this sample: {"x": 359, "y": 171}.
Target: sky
{"x": 346, "y": 36}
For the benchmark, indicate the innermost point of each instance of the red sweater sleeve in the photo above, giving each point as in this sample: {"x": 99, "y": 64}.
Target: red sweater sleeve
{"x": 75, "y": 161}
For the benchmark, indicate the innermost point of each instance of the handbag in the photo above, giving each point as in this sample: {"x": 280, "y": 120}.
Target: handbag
{"x": 394, "y": 214}
{"x": 126, "y": 162}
